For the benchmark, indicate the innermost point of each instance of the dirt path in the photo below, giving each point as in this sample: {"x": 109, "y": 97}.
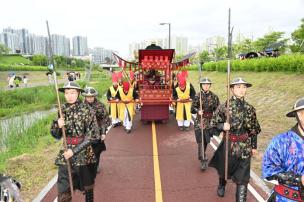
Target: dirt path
{"x": 31, "y": 85}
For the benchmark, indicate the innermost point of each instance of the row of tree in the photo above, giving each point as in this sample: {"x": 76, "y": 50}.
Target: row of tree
{"x": 42, "y": 60}
{"x": 61, "y": 61}
{"x": 261, "y": 44}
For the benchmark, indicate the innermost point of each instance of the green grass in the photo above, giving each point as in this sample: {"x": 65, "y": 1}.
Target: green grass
{"x": 27, "y": 141}
{"x": 21, "y": 68}
{"x": 14, "y": 60}
{"x": 33, "y": 150}
{"x": 43, "y": 97}
{"x": 26, "y": 100}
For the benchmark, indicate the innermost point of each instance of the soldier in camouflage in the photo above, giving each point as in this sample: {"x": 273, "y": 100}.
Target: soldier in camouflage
{"x": 209, "y": 102}
{"x": 103, "y": 120}
{"x": 243, "y": 129}
{"x": 81, "y": 132}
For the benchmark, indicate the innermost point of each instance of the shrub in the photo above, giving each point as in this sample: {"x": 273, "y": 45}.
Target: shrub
{"x": 292, "y": 63}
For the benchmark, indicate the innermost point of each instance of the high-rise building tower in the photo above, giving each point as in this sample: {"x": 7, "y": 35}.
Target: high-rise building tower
{"x": 80, "y": 46}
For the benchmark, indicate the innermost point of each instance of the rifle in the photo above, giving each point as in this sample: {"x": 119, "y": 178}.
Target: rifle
{"x": 52, "y": 68}
{"x": 200, "y": 99}
{"x": 228, "y": 94}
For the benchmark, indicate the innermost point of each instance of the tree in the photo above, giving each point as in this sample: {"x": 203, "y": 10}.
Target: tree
{"x": 204, "y": 57}
{"x": 107, "y": 60}
{"x": 73, "y": 63}
{"x": 60, "y": 61}
{"x": 298, "y": 39}
{"x": 4, "y": 49}
{"x": 244, "y": 46}
{"x": 220, "y": 53}
{"x": 269, "y": 39}
{"x": 41, "y": 60}
{"x": 178, "y": 57}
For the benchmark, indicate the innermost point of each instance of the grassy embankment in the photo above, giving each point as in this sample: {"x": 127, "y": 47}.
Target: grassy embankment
{"x": 30, "y": 156}
{"x": 18, "y": 63}
{"x": 14, "y": 60}
{"x": 273, "y": 95}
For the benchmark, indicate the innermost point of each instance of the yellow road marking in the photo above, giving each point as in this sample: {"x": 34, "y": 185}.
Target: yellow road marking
{"x": 157, "y": 181}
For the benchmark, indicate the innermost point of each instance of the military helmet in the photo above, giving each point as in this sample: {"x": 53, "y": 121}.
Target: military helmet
{"x": 299, "y": 105}
{"x": 239, "y": 80}
{"x": 70, "y": 85}
{"x": 205, "y": 80}
{"x": 89, "y": 92}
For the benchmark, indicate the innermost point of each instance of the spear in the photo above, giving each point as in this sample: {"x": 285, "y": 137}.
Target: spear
{"x": 200, "y": 99}
{"x": 52, "y": 68}
{"x": 228, "y": 94}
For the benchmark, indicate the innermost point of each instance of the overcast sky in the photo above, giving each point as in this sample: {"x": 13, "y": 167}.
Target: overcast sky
{"x": 114, "y": 24}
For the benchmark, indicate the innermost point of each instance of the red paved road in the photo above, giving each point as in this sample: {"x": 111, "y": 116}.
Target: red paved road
{"x": 181, "y": 177}
{"x": 127, "y": 168}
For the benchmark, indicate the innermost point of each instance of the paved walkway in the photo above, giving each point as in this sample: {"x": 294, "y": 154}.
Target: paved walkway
{"x": 154, "y": 163}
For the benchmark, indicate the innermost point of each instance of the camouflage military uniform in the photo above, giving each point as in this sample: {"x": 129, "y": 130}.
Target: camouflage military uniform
{"x": 244, "y": 128}
{"x": 210, "y": 102}
{"x": 81, "y": 131}
{"x": 103, "y": 122}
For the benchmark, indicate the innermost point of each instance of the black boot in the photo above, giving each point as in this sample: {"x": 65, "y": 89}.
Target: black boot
{"x": 187, "y": 128}
{"x": 241, "y": 193}
{"x": 199, "y": 151}
{"x": 221, "y": 187}
{"x": 89, "y": 195}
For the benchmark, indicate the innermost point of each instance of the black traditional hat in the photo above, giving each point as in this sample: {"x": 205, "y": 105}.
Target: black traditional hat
{"x": 239, "y": 80}
{"x": 89, "y": 92}
{"x": 205, "y": 80}
{"x": 70, "y": 85}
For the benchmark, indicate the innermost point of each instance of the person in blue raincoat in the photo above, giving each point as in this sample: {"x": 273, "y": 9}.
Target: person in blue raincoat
{"x": 283, "y": 161}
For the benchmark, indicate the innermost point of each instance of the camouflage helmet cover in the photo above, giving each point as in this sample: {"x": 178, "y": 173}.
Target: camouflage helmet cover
{"x": 89, "y": 92}
{"x": 239, "y": 80}
{"x": 70, "y": 85}
{"x": 299, "y": 105}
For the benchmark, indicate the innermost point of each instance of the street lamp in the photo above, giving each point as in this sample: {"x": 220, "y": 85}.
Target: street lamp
{"x": 167, "y": 23}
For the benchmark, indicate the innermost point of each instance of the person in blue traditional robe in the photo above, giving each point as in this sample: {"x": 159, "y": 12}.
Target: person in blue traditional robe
{"x": 283, "y": 162}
